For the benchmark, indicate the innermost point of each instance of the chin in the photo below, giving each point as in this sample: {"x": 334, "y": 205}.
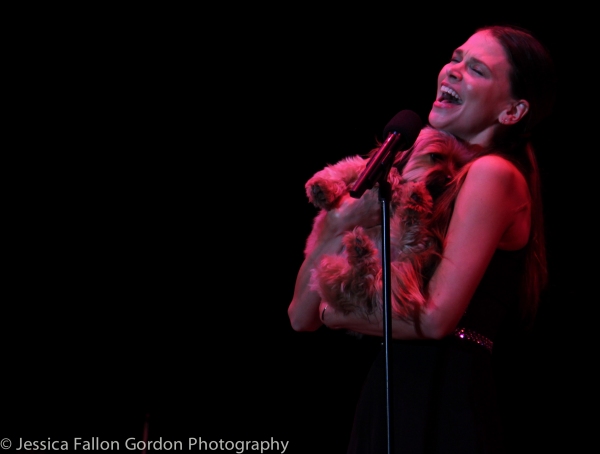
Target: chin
{"x": 435, "y": 120}
{"x": 440, "y": 118}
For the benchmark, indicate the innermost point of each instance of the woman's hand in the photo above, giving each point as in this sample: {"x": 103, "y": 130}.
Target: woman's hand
{"x": 371, "y": 325}
{"x": 336, "y": 319}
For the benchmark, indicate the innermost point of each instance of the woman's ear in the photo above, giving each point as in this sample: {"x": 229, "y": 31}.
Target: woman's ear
{"x": 515, "y": 113}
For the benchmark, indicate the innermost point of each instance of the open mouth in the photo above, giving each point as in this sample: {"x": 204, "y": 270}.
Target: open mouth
{"x": 449, "y": 95}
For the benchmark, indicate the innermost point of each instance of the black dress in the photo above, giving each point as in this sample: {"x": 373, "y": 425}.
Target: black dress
{"x": 444, "y": 393}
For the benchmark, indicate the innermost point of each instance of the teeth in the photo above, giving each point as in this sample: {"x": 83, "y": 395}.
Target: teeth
{"x": 450, "y": 92}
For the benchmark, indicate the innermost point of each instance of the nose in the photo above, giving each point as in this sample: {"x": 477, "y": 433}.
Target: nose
{"x": 453, "y": 72}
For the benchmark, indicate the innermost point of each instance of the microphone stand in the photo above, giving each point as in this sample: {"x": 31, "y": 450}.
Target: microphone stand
{"x": 384, "y": 199}
{"x": 377, "y": 171}
{"x": 405, "y": 123}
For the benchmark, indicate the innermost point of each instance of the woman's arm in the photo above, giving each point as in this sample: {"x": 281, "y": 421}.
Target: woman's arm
{"x": 304, "y": 308}
{"x": 326, "y": 239}
{"x": 486, "y": 207}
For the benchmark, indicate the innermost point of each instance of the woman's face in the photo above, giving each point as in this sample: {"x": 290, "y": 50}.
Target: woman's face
{"x": 473, "y": 90}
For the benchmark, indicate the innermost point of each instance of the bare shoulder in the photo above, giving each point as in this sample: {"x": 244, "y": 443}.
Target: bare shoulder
{"x": 494, "y": 170}
{"x": 493, "y": 165}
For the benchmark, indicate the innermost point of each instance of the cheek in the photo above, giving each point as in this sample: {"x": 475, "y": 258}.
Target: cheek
{"x": 488, "y": 96}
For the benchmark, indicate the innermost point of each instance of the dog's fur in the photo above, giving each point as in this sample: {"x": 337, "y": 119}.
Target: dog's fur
{"x": 352, "y": 281}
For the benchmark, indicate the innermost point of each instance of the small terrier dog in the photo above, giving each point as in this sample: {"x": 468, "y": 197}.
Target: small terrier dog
{"x": 420, "y": 208}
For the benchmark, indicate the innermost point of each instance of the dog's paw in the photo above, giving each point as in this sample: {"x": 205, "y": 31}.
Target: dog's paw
{"x": 323, "y": 193}
{"x": 326, "y": 187}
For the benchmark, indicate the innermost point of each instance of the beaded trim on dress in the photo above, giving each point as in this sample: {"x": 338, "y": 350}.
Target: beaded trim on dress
{"x": 473, "y": 336}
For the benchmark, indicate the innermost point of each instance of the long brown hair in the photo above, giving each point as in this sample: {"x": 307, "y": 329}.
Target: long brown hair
{"x": 533, "y": 78}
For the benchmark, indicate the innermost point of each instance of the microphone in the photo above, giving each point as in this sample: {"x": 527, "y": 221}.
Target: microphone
{"x": 401, "y": 131}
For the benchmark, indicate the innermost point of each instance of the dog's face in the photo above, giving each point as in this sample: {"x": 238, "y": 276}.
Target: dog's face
{"x": 435, "y": 153}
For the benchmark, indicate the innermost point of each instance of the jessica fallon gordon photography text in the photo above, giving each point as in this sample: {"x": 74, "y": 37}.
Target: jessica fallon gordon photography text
{"x": 132, "y": 444}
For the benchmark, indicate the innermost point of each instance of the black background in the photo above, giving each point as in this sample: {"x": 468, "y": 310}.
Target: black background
{"x": 159, "y": 218}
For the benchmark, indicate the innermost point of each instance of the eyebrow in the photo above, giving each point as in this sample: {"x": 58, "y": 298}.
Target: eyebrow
{"x": 472, "y": 59}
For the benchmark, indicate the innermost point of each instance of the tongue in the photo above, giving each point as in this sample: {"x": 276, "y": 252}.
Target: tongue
{"x": 447, "y": 98}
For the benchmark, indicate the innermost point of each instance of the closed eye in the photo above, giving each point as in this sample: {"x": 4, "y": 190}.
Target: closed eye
{"x": 476, "y": 70}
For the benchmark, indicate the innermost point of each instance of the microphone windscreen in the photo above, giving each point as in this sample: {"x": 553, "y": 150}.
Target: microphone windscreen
{"x": 406, "y": 123}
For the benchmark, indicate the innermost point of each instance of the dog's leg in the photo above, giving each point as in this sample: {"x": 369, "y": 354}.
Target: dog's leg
{"x": 351, "y": 282}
